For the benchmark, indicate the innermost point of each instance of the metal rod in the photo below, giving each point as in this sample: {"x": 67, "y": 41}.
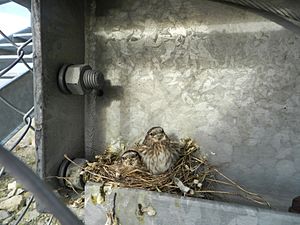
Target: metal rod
{"x": 11, "y": 106}
{"x": 18, "y": 141}
{"x": 8, "y": 68}
{"x": 24, "y": 211}
{"x": 50, "y": 220}
{"x": 20, "y": 49}
{"x": 7, "y": 38}
{"x": 35, "y": 185}
{"x": 20, "y": 53}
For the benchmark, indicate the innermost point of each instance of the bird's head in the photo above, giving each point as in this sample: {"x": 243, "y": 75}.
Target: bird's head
{"x": 155, "y": 135}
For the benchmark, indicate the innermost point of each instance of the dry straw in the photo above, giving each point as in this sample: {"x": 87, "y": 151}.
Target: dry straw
{"x": 192, "y": 176}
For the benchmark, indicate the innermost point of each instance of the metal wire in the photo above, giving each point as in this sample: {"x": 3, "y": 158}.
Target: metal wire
{"x": 265, "y": 6}
{"x": 20, "y": 50}
{"x": 11, "y": 106}
{"x": 36, "y": 186}
{"x": 26, "y": 116}
{"x": 29, "y": 121}
{"x": 50, "y": 220}
{"x": 7, "y": 38}
{"x": 23, "y": 134}
{"x": 12, "y": 65}
{"x": 20, "y": 53}
{"x": 24, "y": 211}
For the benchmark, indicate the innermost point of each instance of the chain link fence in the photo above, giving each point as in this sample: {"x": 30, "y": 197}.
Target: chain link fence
{"x": 27, "y": 118}
{"x": 15, "y": 54}
{"x": 15, "y": 166}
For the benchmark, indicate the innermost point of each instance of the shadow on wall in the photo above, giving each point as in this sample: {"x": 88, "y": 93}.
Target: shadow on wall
{"x": 112, "y": 93}
{"x": 223, "y": 76}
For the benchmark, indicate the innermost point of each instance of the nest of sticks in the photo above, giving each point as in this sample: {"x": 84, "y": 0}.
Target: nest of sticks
{"x": 192, "y": 176}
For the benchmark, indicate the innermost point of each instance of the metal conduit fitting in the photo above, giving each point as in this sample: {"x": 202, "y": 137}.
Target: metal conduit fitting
{"x": 71, "y": 171}
{"x": 295, "y": 208}
{"x": 79, "y": 79}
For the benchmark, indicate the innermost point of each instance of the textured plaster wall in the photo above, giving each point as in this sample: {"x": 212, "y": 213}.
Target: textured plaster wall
{"x": 221, "y": 75}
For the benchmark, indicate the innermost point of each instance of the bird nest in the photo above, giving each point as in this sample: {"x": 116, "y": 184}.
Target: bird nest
{"x": 192, "y": 175}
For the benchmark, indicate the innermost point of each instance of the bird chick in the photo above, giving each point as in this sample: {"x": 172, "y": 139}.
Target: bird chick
{"x": 157, "y": 152}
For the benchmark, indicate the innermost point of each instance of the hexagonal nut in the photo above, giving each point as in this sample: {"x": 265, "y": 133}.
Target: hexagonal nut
{"x": 74, "y": 79}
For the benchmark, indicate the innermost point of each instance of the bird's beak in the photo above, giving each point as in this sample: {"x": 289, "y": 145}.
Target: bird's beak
{"x": 160, "y": 136}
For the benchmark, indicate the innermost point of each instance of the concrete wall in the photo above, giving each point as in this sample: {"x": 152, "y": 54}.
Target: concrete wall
{"x": 223, "y": 76}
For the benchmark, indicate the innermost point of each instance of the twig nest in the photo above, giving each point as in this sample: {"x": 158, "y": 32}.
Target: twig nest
{"x": 184, "y": 189}
{"x": 192, "y": 175}
{"x": 191, "y": 192}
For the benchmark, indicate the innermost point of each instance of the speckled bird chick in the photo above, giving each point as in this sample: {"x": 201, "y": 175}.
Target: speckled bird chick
{"x": 157, "y": 152}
